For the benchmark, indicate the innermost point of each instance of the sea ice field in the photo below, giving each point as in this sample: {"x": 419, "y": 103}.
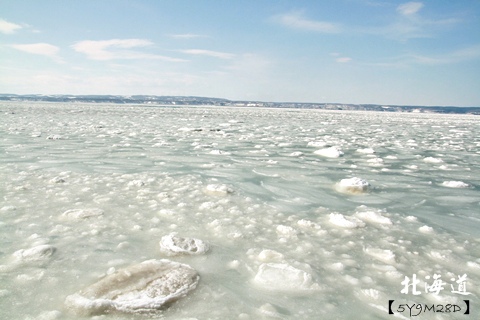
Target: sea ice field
{"x": 246, "y": 213}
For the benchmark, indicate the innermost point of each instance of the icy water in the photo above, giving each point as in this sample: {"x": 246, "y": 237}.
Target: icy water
{"x": 96, "y": 187}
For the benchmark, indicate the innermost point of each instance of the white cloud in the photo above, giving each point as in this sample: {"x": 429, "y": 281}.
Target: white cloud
{"x": 296, "y": 20}
{"x": 118, "y": 49}
{"x": 187, "y": 36}
{"x": 409, "y": 8}
{"x": 343, "y": 60}
{"x": 8, "y": 27}
{"x": 43, "y": 49}
{"x": 215, "y": 54}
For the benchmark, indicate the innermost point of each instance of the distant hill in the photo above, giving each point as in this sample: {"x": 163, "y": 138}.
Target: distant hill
{"x": 199, "y": 101}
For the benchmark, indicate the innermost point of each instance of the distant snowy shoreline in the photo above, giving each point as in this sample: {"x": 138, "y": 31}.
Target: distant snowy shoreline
{"x": 206, "y": 101}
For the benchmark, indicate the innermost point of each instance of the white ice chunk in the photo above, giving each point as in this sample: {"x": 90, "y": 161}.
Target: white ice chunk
{"x": 296, "y": 154}
{"x": 57, "y": 180}
{"x": 375, "y": 161}
{"x": 172, "y": 245}
{"x": 39, "y": 253}
{"x": 307, "y": 224}
{"x": 270, "y": 311}
{"x": 283, "y": 277}
{"x": 78, "y": 214}
{"x": 218, "y": 189}
{"x": 353, "y": 186}
{"x": 332, "y": 152}
{"x": 425, "y": 229}
{"x": 136, "y": 183}
{"x": 219, "y": 152}
{"x": 340, "y": 220}
{"x": 286, "y": 231}
{"x": 455, "y": 184}
{"x": 386, "y": 256}
{"x": 366, "y": 150}
{"x": 54, "y": 137}
{"x": 143, "y": 288}
{"x": 268, "y": 255}
{"x": 432, "y": 160}
{"x": 373, "y": 216}
{"x": 318, "y": 144}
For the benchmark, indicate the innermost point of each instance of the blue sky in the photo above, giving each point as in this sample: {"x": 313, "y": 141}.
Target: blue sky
{"x": 346, "y": 51}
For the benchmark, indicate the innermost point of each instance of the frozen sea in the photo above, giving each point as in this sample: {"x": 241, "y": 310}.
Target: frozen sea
{"x": 87, "y": 189}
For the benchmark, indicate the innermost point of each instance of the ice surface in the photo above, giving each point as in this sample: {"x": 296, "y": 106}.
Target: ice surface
{"x": 172, "y": 245}
{"x": 331, "y": 152}
{"x": 284, "y": 278}
{"x": 143, "y": 288}
{"x": 340, "y": 220}
{"x": 353, "y": 186}
{"x": 76, "y": 210}
{"x": 455, "y": 184}
{"x": 39, "y": 253}
{"x": 77, "y": 214}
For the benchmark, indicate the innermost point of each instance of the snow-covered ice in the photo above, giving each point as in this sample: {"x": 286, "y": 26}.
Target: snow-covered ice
{"x": 172, "y": 245}
{"x": 142, "y": 288}
{"x": 272, "y": 228}
{"x": 353, "y": 185}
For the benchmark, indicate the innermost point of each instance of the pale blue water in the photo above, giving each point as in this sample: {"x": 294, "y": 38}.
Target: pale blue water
{"x": 147, "y": 168}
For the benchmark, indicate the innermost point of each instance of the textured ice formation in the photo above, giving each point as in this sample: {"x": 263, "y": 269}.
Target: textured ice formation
{"x": 373, "y": 216}
{"x": 340, "y": 220}
{"x": 332, "y": 152}
{"x": 455, "y": 184}
{"x": 143, "y": 288}
{"x": 386, "y": 256}
{"x": 353, "y": 186}
{"x": 432, "y": 160}
{"x": 79, "y": 214}
{"x": 286, "y": 231}
{"x": 173, "y": 245}
{"x": 284, "y": 277}
{"x": 39, "y": 253}
{"x": 425, "y": 229}
{"x": 366, "y": 150}
{"x": 268, "y": 255}
{"x": 218, "y": 189}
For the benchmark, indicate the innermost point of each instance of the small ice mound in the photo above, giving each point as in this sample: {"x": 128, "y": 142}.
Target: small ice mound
{"x": 366, "y": 150}
{"x": 143, "y": 288}
{"x": 218, "y": 189}
{"x": 425, "y": 229}
{"x": 296, "y": 154}
{"x": 455, "y": 184}
{"x": 373, "y": 216}
{"x": 340, "y": 220}
{"x": 268, "y": 255}
{"x": 8, "y": 208}
{"x": 173, "y": 245}
{"x": 353, "y": 186}
{"x": 332, "y": 152}
{"x": 270, "y": 311}
{"x": 386, "y": 256}
{"x": 432, "y": 160}
{"x": 219, "y": 152}
{"x": 79, "y": 214}
{"x": 286, "y": 231}
{"x": 284, "y": 278}
{"x": 318, "y": 144}
{"x": 54, "y": 137}
{"x": 307, "y": 224}
{"x": 39, "y": 253}
{"x": 57, "y": 180}
{"x": 375, "y": 161}
{"x": 136, "y": 183}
